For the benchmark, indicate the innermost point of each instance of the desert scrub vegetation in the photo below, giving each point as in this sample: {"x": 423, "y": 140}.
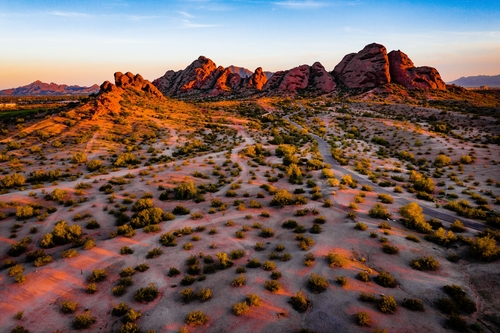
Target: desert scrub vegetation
{"x": 69, "y": 306}
{"x": 146, "y": 294}
{"x": 458, "y": 302}
{"x": 425, "y": 264}
{"x": 379, "y": 211}
{"x": 387, "y": 304}
{"x": 363, "y": 276}
{"x": 300, "y": 302}
{"x": 272, "y": 285}
{"x": 413, "y": 304}
{"x": 385, "y": 279}
{"x": 335, "y": 260}
{"x": 240, "y": 308}
{"x": 362, "y": 319}
{"x": 317, "y": 283}
{"x": 196, "y": 318}
{"x": 84, "y": 320}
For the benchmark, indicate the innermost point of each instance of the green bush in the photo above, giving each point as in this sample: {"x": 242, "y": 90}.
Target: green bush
{"x": 240, "y": 308}
{"x": 126, "y": 250}
{"x": 239, "y": 281}
{"x": 317, "y": 283}
{"x": 120, "y": 309}
{"x": 363, "y": 319}
{"x": 273, "y": 286}
{"x": 386, "y": 280}
{"x": 389, "y": 249}
{"x": 363, "y": 276}
{"x": 379, "y": 211}
{"x": 267, "y": 233}
{"x": 84, "y": 320}
{"x": 269, "y": 265}
{"x": 253, "y": 300}
{"x": 484, "y": 248}
{"x": 69, "y": 306}
{"x": 425, "y": 264}
{"x": 187, "y": 295}
{"x": 387, "y": 304}
{"x": 205, "y": 294}
{"x": 146, "y": 294}
{"x": 335, "y": 260}
{"x": 361, "y": 226}
{"x": 413, "y": 304}
{"x": 254, "y": 263}
{"x": 300, "y": 302}
{"x": 97, "y": 275}
{"x": 367, "y": 297}
{"x": 196, "y": 318}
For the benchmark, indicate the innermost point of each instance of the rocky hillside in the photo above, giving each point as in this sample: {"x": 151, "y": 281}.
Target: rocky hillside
{"x": 370, "y": 68}
{"x": 39, "y": 88}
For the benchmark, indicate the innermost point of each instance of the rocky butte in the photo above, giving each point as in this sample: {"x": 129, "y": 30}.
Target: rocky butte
{"x": 372, "y": 67}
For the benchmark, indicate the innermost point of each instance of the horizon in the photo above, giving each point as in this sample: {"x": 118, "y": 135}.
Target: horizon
{"x": 84, "y": 44}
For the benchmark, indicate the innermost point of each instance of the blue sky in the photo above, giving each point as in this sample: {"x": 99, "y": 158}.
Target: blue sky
{"x": 85, "y": 42}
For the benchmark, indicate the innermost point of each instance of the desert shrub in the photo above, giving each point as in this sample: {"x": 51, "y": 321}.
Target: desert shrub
{"x": 282, "y": 198}
{"x": 267, "y": 233}
{"x": 305, "y": 242}
{"x": 131, "y": 316}
{"x": 97, "y": 275}
{"x": 205, "y": 294}
{"x": 385, "y": 225}
{"x": 240, "y": 308}
{"x": 462, "y": 301}
{"x": 289, "y": 224}
{"x": 142, "y": 267}
{"x": 153, "y": 253}
{"x": 342, "y": 280}
{"x": 379, "y": 211}
{"x": 414, "y": 218}
{"x": 181, "y": 210}
{"x": 253, "y": 300}
{"x": 389, "y": 249}
{"x": 187, "y": 280}
{"x": 196, "y": 318}
{"x": 126, "y": 250}
{"x": 335, "y": 260}
{"x": 146, "y": 294}
{"x": 84, "y": 320}
{"x": 118, "y": 290}
{"x": 19, "y": 329}
{"x": 173, "y": 272}
{"x": 276, "y": 275}
{"x": 239, "y": 281}
{"x": 91, "y": 288}
{"x": 43, "y": 260}
{"x": 387, "y": 304}
{"x": 187, "y": 295}
{"x": 413, "y": 238}
{"x": 425, "y": 264}
{"x": 385, "y": 198}
{"x": 272, "y": 285}
{"x": 268, "y": 265}
{"x": 385, "y": 279}
{"x": 316, "y": 229}
{"x": 300, "y": 302}
{"x": 69, "y": 306}
{"x": 413, "y": 304}
{"x": 317, "y": 283}
{"x": 457, "y": 226}
{"x": 363, "y": 319}
{"x": 254, "y": 263}
{"x": 363, "y": 276}
{"x": 168, "y": 239}
{"x": 185, "y": 191}
{"x": 441, "y": 237}
{"x": 120, "y": 309}
{"x": 484, "y": 248}
{"x": 361, "y": 226}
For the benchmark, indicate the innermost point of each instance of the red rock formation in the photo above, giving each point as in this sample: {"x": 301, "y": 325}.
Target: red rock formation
{"x": 404, "y": 72}
{"x": 320, "y": 80}
{"x": 257, "y": 80}
{"x": 366, "y": 69}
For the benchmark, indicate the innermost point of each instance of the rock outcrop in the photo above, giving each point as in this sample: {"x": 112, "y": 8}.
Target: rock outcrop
{"x": 368, "y": 68}
{"x": 128, "y": 80}
{"x": 314, "y": 79}
{"x": 404, "y": 72}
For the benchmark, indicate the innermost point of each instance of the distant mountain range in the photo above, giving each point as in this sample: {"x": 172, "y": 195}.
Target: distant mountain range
{"x": 478, "y": 81}
{"x": 39, "y": 88}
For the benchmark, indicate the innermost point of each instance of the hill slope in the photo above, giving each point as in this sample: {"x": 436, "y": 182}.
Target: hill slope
{"x": 478, "y": 81}
{"x": 39, "y": 88}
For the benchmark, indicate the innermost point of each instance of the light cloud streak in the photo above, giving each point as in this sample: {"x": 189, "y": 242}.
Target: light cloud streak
{"x": 308, "y": 4}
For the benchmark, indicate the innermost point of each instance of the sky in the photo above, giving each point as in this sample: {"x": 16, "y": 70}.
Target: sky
{"x": 85, "y": 42}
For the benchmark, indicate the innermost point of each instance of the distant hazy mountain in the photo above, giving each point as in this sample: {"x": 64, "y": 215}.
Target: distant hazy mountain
{"x": 477, "y": 81}
{"x": 39, "y": 88}
{"x": 244, "y": 73}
